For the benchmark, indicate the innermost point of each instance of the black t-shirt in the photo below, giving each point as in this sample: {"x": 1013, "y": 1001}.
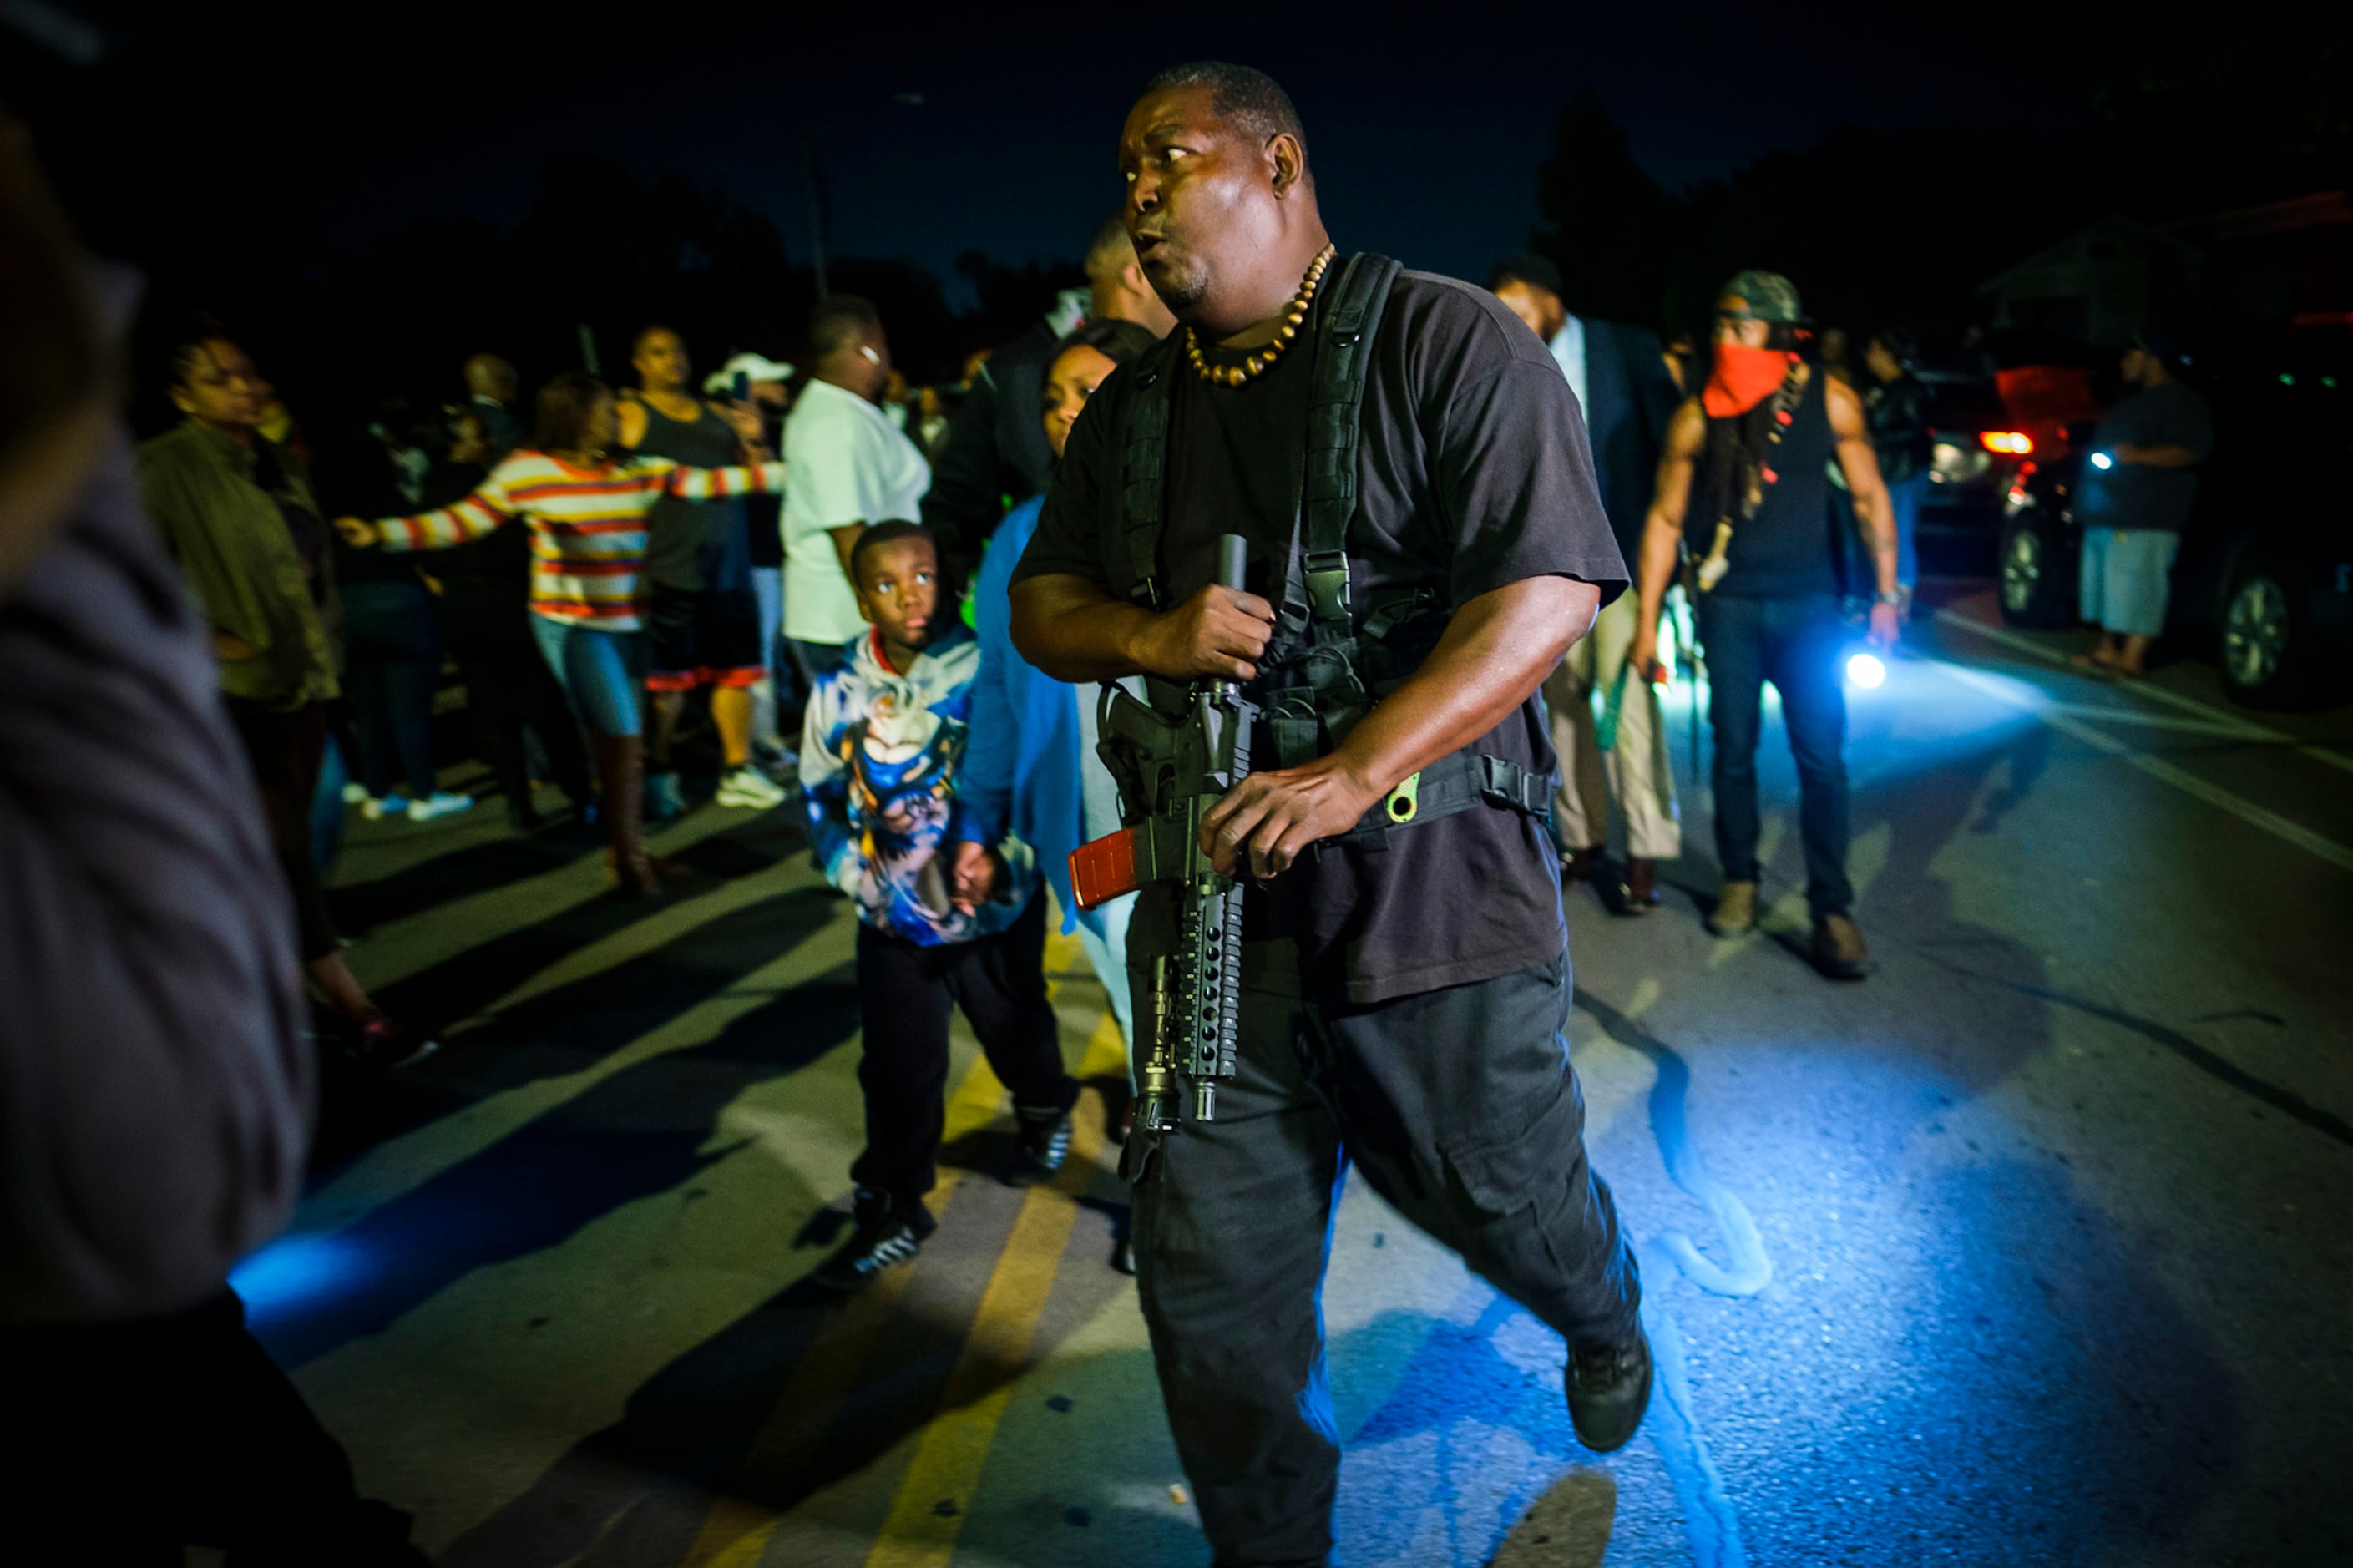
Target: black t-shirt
{"x": 1472, "y": 474}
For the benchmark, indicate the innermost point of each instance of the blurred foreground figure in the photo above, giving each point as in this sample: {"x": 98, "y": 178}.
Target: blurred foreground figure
{"x": 153, "y": 1081}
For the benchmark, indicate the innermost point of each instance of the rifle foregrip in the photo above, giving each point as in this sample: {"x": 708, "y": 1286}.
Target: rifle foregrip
{"x": 1233, "y": 562}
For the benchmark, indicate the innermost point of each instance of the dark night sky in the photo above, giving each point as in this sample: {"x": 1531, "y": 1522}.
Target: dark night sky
{"x": 1425, "y": 134}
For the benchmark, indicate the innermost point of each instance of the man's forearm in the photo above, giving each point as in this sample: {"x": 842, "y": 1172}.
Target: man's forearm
{"x": 1877, "y": 515}
{"x": 1656, "y": 569}
{"x": 845, "y": 545}
{"x": 1496, "y": 650}
{"x": 1074, "y": 631}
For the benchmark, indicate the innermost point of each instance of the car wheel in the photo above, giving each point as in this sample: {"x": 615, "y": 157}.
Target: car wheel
{"x": 2038, "y": 574}
{"x": 2260, "y": 643}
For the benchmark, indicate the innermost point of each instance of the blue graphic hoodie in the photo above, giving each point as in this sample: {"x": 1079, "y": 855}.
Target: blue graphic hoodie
{"x": 881, "y": 752}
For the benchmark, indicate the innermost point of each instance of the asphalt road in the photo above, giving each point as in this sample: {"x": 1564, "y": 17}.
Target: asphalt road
{"x": 2032, "y": 1248}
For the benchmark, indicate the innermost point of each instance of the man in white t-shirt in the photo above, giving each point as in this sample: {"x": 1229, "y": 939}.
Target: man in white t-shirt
{"x": 847, "y": 467}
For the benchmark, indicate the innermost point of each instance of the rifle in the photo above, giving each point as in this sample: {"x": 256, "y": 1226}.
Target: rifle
{"x": 1170, "y": 772}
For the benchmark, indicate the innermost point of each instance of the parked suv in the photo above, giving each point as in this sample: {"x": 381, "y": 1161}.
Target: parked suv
{"x": 1987, "y": 424}
{"x": 2264, "y": 578}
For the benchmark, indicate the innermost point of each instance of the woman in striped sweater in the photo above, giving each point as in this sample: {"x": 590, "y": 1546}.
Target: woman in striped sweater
{"x": 587, "y": 521}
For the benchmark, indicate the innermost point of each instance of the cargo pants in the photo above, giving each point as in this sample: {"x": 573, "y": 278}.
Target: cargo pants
{"x": 1460, "y": 1107}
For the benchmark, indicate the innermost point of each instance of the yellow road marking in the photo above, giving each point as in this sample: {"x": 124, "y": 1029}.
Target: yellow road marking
{"x": 935, "y": 1495}
{"x": 737, "y": 1532}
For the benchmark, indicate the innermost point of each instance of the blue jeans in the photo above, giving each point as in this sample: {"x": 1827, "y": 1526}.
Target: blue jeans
{"x": 603, "y": 672}
{"x": 392, "y": 644}
{"x": 1795, "y": 644}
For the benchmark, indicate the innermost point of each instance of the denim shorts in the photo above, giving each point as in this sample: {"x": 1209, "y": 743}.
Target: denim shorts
{"x": 2125, "y": 578}
{"x": 603, "y": 672}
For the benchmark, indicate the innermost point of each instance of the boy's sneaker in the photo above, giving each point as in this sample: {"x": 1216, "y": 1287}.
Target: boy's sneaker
{"x": 885, "y": 1235}
{"x": 1045, "y": 1144}
{"x": 441, "y": 803}
{"x": 750, "y": 789}
{"x": 665, "y": 802}
{"x": 379, "y": 1044}
{"x": 392, "y": 805}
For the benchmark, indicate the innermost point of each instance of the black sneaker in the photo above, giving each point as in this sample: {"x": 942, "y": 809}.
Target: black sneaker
{"x": 1045, "y": 1144}
{"x": 1609, "y": 1389}
{"x": 885, "y": 1235}
{"x": 379, "y": 1044}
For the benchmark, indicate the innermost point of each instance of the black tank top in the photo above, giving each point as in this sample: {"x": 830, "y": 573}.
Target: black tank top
{"x": 695, "y": 546}
{"x": 1789, "y": 549}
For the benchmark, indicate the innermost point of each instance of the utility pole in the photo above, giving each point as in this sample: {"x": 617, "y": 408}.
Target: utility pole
{"x": 815, "y": 206}
{"x": 813, "y": 172}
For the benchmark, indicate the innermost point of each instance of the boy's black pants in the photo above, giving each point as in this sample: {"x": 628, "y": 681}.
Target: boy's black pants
{"x": 903, "y": 992}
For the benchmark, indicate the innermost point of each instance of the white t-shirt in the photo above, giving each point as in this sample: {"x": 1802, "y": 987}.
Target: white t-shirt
{"x": 844, "y": 463}
{"x": 1568, "y": 353}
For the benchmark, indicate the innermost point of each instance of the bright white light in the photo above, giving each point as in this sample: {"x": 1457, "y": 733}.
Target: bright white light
{"x": 2102, "y": 461}
{"x": 1866, "y": 671}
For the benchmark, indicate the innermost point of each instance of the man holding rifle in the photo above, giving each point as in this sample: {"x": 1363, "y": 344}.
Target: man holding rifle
{"x": 1422, "y": 542}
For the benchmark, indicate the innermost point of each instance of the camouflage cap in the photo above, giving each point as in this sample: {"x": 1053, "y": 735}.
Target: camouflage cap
{"x": 1769, "y": 296}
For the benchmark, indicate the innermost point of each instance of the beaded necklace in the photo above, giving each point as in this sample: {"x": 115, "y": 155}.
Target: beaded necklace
{"x": 1260, "y": 360}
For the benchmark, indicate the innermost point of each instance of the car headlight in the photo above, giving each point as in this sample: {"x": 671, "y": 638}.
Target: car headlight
{"x": 1949, "y": 463}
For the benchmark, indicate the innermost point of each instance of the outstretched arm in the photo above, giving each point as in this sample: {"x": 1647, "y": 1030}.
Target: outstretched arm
{"x": 459, "y": 524}
{"x": 739, "y": 480}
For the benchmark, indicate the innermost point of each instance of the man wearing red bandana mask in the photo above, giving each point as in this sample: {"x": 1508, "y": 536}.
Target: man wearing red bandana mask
{"x": 1743, "y": 486}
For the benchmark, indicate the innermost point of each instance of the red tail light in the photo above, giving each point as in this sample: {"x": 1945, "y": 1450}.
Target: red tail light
{"x": 2013, "y": 443}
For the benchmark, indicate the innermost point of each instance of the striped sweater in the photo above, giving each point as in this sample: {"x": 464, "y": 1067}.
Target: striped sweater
{"x": 587, "y": 525}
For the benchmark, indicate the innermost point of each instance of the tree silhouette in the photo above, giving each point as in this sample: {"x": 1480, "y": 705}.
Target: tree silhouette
{"x": 1606, "y": 223}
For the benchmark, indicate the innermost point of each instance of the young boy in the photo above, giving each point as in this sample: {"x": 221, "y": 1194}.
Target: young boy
{"x": 880, "y": 755}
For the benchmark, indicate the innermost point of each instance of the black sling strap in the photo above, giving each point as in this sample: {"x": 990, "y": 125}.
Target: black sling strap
{"x": 1318, "y": 581}
{"x": 1316, "y": 633}
{"x": 1144, "y": 477}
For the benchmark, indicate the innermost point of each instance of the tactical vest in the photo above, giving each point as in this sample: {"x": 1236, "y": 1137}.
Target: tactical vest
{"x": 1334, "y": 652}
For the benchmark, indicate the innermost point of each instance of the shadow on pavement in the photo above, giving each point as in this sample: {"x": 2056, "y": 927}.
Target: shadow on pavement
{"x": 361, "y": 907}
{"x": 559, "y": 1031}
{"x": 747, "y": 1416}
{"x": 641, "y": 1131}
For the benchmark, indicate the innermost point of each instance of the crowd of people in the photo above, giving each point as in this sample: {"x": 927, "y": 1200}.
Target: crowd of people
{"x": 925, "y": 599}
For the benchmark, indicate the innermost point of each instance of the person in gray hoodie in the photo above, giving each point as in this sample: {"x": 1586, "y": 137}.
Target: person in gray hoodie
{"x": 154, "y": 1085}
